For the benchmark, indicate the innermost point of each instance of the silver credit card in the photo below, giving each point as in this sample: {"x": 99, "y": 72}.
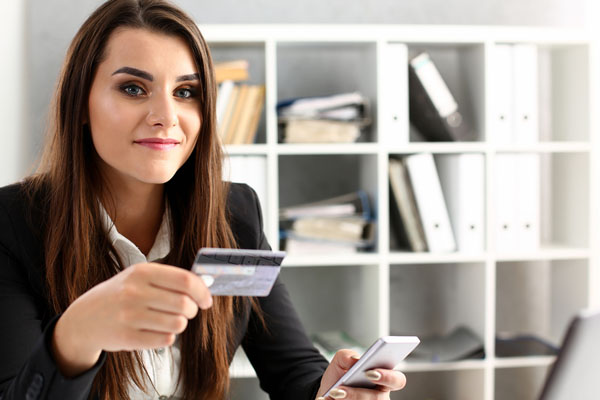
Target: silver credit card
{"x": 238, "y": 272}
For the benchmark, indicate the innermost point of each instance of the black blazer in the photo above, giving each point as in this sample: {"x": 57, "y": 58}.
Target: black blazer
{"x": 287, "y": 364}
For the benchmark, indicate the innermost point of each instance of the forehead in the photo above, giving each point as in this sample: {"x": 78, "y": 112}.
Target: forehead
{"x": 151, "y": 51}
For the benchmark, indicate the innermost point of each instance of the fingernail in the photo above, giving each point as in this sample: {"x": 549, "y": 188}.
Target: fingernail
{"x": 355, "y": 357}
{"x": 373, "y": 375}
{"x": 338, "y": 394}
{"x": 320, "y": 398}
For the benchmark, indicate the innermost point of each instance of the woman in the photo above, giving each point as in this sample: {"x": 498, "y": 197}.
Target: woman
{"x": 96, "y": 300}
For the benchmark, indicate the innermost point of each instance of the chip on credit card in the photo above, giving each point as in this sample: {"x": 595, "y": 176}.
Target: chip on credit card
{"x": 238, "y": 272}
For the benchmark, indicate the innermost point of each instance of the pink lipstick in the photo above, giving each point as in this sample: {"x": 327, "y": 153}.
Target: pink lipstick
{"x": 158, "y": 143}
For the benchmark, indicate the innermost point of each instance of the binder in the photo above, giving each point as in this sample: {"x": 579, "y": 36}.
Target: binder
{"x": 251, "y": 170}
{"x": 525, "y": 71}
{"x": 404, "y": 216}
{"x": 505, "y": 202}
{"x": 503, "y": 94}
{"x": 433, "y": 110}
{"x": 528, "y": 202}
{"x": 430, "y": 203}
{"x": 463, "y": 183}
{"x": 395, "y": 87}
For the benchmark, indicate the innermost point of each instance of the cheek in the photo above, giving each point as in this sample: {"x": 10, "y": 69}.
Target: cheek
{"x": 110, "y": 120}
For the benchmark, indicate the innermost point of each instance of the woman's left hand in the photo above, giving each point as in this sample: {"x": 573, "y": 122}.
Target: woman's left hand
{"x": 387, "y": 380}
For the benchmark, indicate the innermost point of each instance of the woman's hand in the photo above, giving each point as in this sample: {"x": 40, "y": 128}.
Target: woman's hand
{"x": 142, "y": 307}
{"x": 387, "y": 380}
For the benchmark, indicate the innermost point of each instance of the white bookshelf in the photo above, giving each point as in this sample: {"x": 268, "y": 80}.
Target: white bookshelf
{"x": 391, "y": 290}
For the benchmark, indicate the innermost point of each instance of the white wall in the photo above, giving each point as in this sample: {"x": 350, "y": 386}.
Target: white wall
{"x": 12, "y": 91}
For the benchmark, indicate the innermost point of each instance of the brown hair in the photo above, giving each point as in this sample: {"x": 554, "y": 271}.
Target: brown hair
{"x": 77, "y": 250}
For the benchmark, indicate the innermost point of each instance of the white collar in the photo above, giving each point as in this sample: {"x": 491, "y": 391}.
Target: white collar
{"x": 128, "y": 252}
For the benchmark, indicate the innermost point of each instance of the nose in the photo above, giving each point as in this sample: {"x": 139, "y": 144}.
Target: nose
{"x": 162, "y": 111}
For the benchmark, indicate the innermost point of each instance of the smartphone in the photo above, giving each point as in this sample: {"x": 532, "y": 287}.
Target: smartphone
{"x": 238, "y": 272}
{"x": 387, "y": 352}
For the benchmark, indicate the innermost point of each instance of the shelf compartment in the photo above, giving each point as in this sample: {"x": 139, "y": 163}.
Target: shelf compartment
{"x": 462, "y": 66}
{"x": 564, "y": 96}
{"x": 540, "y": 297}
{"x": 254, "y": 53}
{"x": 523, "y": 383}
{"x": 333, "y": 298}
{"x": 449, "y": 385}
{"x": 309, "y": 178}
{"x": 323, "y": 69}
{"x": 434, "y": 299}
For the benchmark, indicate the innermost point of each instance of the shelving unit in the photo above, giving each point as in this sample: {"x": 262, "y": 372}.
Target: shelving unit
{"x": 389, "y": 290}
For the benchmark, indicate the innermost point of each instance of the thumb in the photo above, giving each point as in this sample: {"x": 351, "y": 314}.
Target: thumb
{"x": 344, "y": 359}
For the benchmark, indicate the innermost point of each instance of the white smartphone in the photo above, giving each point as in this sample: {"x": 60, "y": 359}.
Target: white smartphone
{"x": 387, "y": 352}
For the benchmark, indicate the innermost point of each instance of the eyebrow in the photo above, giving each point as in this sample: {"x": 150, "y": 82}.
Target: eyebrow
{"x": 147, "y": 76}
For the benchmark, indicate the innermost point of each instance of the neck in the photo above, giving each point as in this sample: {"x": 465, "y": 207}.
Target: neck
{"x": 136, "y": 209}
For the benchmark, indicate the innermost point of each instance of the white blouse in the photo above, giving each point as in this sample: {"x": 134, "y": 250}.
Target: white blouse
{"x": 162, "y": 364}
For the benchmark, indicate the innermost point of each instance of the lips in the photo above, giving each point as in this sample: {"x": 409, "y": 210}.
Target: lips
{"x": 158, "y": 143}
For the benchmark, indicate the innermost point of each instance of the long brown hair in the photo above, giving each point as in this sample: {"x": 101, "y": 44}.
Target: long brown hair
{"x": 78, "y": 254}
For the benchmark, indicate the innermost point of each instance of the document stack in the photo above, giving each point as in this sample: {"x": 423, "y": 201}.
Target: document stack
{"x": 338, "y": 118}
{"x": 341, "y": 224}
{"x": 239, "y": 105}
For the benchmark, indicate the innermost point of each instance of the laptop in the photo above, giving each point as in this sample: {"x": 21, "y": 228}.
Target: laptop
{"x": 576, "y": 372}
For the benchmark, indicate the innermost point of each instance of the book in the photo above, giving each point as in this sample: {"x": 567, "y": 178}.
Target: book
{"x": 251, "y": 102}
{"x": 298, "y": 246}
{"x": 430, "y": 201}
{"x": 347, "y": 205}
{"x": 240, "y": 104}
{"x": 257, "y": 111}
{"x": 321, "y": 131}
{"x": 344, "y": 229}
{"x": 404, "y": 216}
{"x": 223, "y": 124}
{"x": 433, "y": 110}
{"x": 224, "y": 93}
{"x": 235, "y": 70}
{"x": 322, "y": 106}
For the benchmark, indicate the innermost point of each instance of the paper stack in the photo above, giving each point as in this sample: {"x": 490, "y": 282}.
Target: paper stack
{"x": 341, "y": 224}
{"x": 331, "y": 119}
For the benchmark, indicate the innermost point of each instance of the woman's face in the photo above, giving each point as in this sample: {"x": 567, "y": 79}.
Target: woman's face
{"x": 144, "y": 110}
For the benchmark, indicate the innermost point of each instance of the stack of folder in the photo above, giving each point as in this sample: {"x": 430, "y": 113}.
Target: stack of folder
{"x": 239, "y": 105}
{"x": 341, "y": 224}
{"x": 339, "y": 118}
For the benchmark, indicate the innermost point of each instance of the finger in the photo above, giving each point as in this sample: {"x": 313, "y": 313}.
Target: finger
{"x": 348, "y": 393}
{"x": 387, "y": 379}
{"x": 180, "y": 280}
{"x": 139, "y": 340}
{"x": 156, "y": 321}
{"x": 161, "y": 299}
{"x": 345, "y": 358}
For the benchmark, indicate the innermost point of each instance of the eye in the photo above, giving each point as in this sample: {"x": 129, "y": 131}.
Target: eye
{"x": 132, "y": 90}
{"x": 185, "y": 93}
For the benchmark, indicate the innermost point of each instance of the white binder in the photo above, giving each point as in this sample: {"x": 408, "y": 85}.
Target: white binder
{"x": 431, "y": 204}
{"x": 525, "y": 70}
{"x": 394, "y": 85}
{"x": 503, "y": 93}
{"x": 528, "y": 202}
{"x": 505, "y": 202}
{"x": 251, "y": 170}
{"x": 463, "y": 182}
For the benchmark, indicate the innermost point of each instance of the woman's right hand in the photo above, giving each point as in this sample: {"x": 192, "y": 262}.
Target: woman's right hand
{"x": 142, "y": 307}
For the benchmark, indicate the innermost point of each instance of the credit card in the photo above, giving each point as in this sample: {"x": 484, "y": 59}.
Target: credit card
{"x": 238, "y": 272}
